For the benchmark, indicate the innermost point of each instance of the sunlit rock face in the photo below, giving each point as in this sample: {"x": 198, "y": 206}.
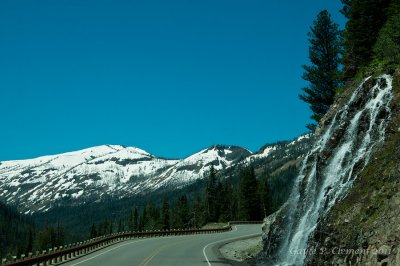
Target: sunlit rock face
{"x": 343, "y": 149}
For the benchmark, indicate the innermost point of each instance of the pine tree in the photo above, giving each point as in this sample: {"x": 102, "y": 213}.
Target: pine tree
{"x": 143, "y": 220}
{"x": 60, "y": 236}
{"x": 165, "y": 217}
{"x": 211, "y": 196}
{"x": 323, "y": 73}
{"x": 266, "y": 197}
{"x": 199, "y": 217}
{"x": 130, "y": 221}
{"x": 93, "y": 231}
{"x": 181, "y": 213}
{"x": 153, "y": 216}
{"x": 235, "y": 205}
{"x": 225, "y": 200}
{"x": 120, "y": 226}
{"x": 133, "y": 220}
{"x": 110, "y": 227}
{"x": 29, "y": 246}
{"x": 250, "y": 204}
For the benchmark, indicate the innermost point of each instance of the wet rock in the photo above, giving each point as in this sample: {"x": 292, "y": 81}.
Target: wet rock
{"x": 383, "y": 252}
{"x": 331, "y": 169}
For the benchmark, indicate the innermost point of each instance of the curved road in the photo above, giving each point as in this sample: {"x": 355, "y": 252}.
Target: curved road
{"x": 168, "y": 251}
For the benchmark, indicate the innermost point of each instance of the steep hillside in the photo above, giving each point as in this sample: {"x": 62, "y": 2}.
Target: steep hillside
{"x": 275, "y": 157}
{"x": 16, "y": 231}
{"x": 364, "y": 227}
{"x": 355, "y": 130}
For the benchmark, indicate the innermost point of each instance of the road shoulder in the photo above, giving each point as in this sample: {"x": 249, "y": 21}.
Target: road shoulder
{"x": 241, "y": 250}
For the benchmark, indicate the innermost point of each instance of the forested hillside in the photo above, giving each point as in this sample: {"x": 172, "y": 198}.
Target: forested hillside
{"x": 219, "y": 197}
{"x": 19, "y": 235}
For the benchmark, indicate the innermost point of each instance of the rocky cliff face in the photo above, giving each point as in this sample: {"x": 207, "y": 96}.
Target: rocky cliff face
{"x": 319, "y": 220}
{"x": 364, "y": 227}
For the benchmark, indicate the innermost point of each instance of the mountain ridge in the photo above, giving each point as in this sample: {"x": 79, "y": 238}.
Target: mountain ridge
{"x": 95, "y": 173}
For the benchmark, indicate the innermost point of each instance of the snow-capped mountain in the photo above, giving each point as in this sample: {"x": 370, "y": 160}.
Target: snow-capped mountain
{"x": 97, "y": 173}
{"x": 110, "y": 170}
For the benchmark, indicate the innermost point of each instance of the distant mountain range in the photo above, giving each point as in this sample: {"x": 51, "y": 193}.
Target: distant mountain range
{"x": 90, "y": 175}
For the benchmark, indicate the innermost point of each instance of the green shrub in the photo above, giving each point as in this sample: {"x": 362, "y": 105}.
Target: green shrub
{"x": 387, "y": 46}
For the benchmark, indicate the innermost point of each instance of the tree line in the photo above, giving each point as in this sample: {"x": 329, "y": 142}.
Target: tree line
{"x": 221, "y": 201}
{"x": 19, "y": 234}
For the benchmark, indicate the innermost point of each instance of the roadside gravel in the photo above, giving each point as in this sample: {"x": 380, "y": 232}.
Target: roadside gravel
{"x": 243, "y": 249}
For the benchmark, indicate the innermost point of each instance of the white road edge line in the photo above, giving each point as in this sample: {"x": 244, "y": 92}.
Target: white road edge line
{"x": 227, "y": 239}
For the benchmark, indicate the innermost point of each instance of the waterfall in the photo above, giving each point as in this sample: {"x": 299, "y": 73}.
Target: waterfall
{"x": 332, "y": 165}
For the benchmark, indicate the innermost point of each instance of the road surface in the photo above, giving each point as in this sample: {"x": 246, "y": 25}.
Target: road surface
{"x": 193, "y": 250}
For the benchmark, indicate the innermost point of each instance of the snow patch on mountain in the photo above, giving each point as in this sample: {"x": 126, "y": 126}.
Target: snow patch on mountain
{"x": 103, "y": 171}
{"x": 302, "y": 137}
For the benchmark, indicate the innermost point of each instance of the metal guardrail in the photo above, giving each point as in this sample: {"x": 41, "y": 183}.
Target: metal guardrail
{"x": 68, "y": 252}
{"x": 64, "y": 253}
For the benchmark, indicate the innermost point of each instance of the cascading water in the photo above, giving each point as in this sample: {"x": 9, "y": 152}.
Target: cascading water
{"x": 330, "y": 168}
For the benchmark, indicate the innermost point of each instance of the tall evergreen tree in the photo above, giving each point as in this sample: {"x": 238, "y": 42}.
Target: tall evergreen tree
{"x": 142, "y": 220}
{"x": 199, "y": 217}
{"x": 120, "y": 226}
{"x": 29, "y": 246}
{"x": 135, "y": 219}
{"x": 110, "y": 227}
{"x": 250, "y": 203}
{"x": 211, "y": 196}
{"x": 181, "y": 213}
{"x": 266, "y": 197}
{"x": 93, "y": 231}
{"x": 165, "y": 217}
{"x": 323, "y": 73}
{"x": 130, "y": 221}
{"x": 59, "y": 239}
{"x": 151, "y": 216}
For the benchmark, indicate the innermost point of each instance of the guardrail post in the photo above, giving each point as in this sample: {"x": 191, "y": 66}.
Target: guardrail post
{"x": 43, "y": 252}
{"x": 55, "y": 260}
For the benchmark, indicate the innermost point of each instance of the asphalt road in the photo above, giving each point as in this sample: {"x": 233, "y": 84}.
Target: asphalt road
{"x": 167, "y": 251}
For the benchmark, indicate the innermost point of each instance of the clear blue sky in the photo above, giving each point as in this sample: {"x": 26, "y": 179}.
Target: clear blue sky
{"x": 170, "y": 77}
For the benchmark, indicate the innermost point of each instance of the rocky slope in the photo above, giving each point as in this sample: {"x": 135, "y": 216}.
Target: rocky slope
{"x": 363, "y": 228}
{"x": 347, "y": 191}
